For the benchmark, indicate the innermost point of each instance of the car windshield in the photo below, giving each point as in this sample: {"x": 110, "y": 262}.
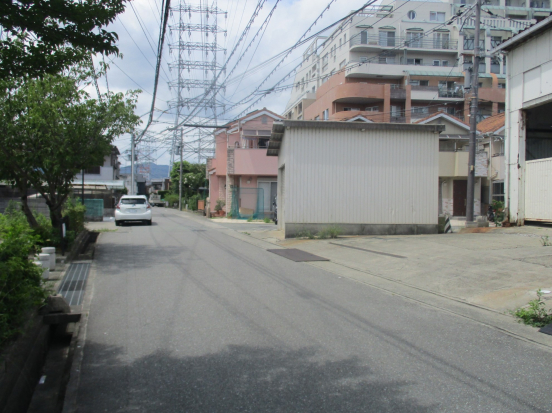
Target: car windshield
{"x": 133, "y": 201}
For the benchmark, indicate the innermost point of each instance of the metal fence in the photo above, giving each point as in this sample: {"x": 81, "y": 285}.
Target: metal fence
{"x": 248, "y": 203}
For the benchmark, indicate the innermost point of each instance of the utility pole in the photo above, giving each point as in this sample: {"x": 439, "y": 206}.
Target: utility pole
{"x": 473, "y": 119}
{"x": 132, "y": 164}
{"x": 180, "y": 179}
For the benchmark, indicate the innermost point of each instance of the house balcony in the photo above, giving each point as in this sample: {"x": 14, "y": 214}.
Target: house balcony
{"x": 371, "y": 43}
{"x": 455, "y": 164}
{"x": 254, "y": 161}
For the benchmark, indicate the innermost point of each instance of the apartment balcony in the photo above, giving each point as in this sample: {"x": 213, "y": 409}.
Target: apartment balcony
{"x": 375, "y": 43}
{"x": 253, "y": 161}
{"x": 393, "y": 68}
{"x": 437, "y": 93}
{"x": 453, "y": 164}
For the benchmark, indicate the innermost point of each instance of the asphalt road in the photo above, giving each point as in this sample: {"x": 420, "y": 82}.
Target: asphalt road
{"x": 185, "y": 318}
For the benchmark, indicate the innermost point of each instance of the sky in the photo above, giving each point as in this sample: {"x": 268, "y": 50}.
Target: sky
{"x": 138, "y": 30}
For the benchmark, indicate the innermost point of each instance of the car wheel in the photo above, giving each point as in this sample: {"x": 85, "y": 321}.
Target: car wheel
{"x": 149, "y": 222}
{"x": 117, "y": 223}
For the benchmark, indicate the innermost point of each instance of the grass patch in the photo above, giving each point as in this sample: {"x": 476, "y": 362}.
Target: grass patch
{"x": 266, "y": 220}
{"x": 535, "y": 313}
{"x": 250, "y": 219}
{"x": 246, "y": 233}
{"x": 545, "y": 241}
{"x": 332, "y": 231}
{"x": 104, "y": 230}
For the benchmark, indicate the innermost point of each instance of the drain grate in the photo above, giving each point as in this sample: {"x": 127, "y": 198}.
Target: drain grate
{"x": 74, "y": 283}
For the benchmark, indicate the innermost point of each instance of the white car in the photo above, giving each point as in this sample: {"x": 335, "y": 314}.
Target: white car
{"x": 133, "y": 208}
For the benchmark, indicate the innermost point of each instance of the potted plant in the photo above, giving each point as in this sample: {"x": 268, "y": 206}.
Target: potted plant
{"x": 218, "y": 207}
{"x": 498, "y": 207}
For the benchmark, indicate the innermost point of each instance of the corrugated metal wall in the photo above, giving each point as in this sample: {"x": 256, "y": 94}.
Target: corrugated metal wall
{"x": 538, "y": 189}
{"x": 353, "y": 176}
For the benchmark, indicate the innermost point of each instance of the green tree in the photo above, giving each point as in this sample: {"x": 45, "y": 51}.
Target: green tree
{"x": 193, "y": 177}
{"x": 48, "y": 36}
{"x": 50, "y": 129}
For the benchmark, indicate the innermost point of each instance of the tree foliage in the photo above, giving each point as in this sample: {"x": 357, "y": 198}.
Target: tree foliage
{"x": 193, "y": 177}
{"x": 50, "y": 129}
{"x": 48, "y": 36}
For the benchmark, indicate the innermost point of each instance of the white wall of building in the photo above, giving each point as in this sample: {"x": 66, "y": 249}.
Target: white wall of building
{"x": 352, "y": 175}
{"x": 529, "y": 84}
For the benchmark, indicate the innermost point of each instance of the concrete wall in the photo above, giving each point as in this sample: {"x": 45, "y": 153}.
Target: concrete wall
{"x": 383, "y": 178}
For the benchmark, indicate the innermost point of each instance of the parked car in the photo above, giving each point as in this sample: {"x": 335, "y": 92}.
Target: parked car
{"x": 155, "y": 200}
{"x": 133, "y": 208}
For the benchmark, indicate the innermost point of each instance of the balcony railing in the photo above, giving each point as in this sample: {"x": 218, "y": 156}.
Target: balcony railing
{"x": 469, "y": 44}
{"x": 404, "y": 42}
{"x": 457, "y": 92}
{"x": 251, "y": 145}
{"x": 391, "y": 61}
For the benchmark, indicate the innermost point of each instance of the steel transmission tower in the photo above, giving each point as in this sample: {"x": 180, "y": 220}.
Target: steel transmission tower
{"x": 196, "y": 50}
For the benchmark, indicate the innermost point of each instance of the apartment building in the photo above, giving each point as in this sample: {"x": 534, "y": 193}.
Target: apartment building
{"x": 403, "y": 61}
{"x": 241, "y": 174}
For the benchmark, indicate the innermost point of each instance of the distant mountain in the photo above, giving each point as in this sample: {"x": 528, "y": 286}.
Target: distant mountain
{"x": 156, "y": 171}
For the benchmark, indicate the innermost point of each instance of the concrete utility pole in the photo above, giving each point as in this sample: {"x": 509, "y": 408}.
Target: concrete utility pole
{"x": 473, "y": 118}
{"x": 180, "y": 179}
{"x": 132, "y": 164}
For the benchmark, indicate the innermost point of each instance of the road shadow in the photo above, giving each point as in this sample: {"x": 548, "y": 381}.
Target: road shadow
{"x": 238, "y": 379}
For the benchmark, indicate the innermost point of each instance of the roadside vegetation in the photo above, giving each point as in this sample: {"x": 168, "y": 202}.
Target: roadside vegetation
{"x": 193, "y": 177}
{"x": 332, "y": 231}
{"x": 21, "y": 285}
{"x": 535, "y": 313}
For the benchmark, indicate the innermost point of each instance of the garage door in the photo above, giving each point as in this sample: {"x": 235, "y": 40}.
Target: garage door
{"x": 538, "y": 189}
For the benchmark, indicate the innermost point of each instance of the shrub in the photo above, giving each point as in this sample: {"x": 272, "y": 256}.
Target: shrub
{"x": 192, "y": 202}
{"x": 74, "y": 211}
{"x": 21, "y": 287}
{"x": 219, "y": 205}
{"x": 330, "y": 232}
{"x": 162, "y": 194}
{"x": 171, "y": 199}
{"x": 266, "y": 220}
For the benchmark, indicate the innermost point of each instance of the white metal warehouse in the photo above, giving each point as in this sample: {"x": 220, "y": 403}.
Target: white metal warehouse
{"x": 528, "y": 151}
{"x": 365, "y": 178}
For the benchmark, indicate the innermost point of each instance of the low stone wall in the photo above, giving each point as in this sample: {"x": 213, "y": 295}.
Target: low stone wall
{"x": 292, "y": 229}
{"x": 21, "y": 366}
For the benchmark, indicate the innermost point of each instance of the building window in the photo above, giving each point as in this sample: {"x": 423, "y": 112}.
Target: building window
{"x": 444, "y": 63}
{"x": 342, "y": 64}
{"x": 436, "y": 63}
{"x": 419, "y": 82}
{"x": 325, "y": 61}
{"x": 416, "y": 62}
{"x": 502, "y": 85}
{"x": 264, "y": 119}
{"x": 414, "y": 39}
{"x": 372, "y": 109}
{"x": 498, "y": 191}
{"x": 297, "y": 85}
{"x": 436, "y": 16}
{"x": 411, "y": 14}
{"x": 326, "y": 114}
{"x": 420, "y": 110}
{"x": 302, "y": 84}
{"x": 387, "y": 39}
{"x": 386, "y": 60}
{"x": 350, "y": 109}
{"x": 344, "y": 38}
{"x": 95, "y": 170}
{"x": 317, "y": 118}
{"x": 441, "y": 40}
{"x": 363, "y": 59}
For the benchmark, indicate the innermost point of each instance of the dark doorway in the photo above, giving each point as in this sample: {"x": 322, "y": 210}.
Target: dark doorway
{"x": 538, "y": 135}
{"x": 459, "y": 195}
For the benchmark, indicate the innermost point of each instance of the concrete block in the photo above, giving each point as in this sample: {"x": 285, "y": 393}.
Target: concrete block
{"x": 56, "y": 304}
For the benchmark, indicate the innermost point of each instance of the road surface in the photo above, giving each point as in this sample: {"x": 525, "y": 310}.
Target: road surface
{"x": 186, "y": 318}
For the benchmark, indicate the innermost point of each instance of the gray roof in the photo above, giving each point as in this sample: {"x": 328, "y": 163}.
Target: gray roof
{"x": 278, "y": 129}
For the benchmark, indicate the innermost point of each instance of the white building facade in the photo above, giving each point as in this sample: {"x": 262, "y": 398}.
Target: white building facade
{"x": 528, "y": 124}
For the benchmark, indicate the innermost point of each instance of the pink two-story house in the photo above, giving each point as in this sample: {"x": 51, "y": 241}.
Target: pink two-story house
{"x": 241, "y": 173}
